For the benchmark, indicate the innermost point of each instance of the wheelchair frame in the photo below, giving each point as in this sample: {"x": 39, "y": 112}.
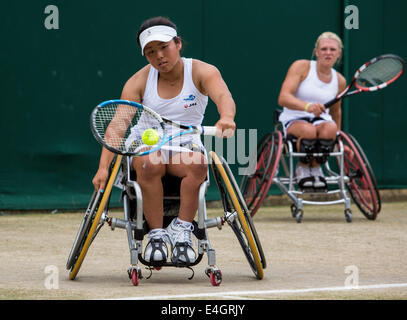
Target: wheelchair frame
{"x": 235, "y": 214}
{"x": 355, "y": 175}
{"x": 288, "y": 186}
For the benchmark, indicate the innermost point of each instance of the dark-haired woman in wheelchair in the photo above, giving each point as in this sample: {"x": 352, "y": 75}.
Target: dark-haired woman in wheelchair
{"x": 307, "y": 86}
{"x": 167, "y": 84}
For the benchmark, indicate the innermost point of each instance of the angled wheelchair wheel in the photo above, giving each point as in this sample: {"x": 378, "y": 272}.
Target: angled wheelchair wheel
{"x": 370, "y": 171}
{"x": 236, "y": 214}
{"x": 362, "y": 185}
{"x": 255, "y": 186}
{"x": 84, "y": 228}
{"x": 90, "y": 224}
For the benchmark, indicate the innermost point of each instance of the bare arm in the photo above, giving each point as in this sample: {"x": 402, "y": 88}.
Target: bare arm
{"x": 212, "y": 84}
{"x": 295, "y": 75}
{"x": 132, "y": 91}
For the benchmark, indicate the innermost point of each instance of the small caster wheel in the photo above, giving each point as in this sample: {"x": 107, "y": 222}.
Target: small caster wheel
{"x": 298, "y": 216}
{"x": 215, "y": 276}
{"x": 348, "y": 215}
{"x": 293, "y": 210}
{"x": 134, "y": 275}
{"x": 134, "y": 278}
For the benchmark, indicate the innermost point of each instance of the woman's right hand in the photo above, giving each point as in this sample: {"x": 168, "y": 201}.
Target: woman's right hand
{"x": 100, "y": 178}
{"x": 316, "y": 108}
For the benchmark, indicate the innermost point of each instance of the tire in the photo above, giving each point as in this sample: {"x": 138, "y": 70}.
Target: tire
{"x": 362, "y": 185}
{"x": 256, "y": 186}
{"x": 242, "y": 226}
{"x": 83, "y": 229}
{"x": 370, "y": 171}
{"x": 90, "y": 224}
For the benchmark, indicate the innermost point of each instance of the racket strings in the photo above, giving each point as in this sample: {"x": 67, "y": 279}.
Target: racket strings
{"x": 121, "y": 126}
{"x": 379, "y": 72}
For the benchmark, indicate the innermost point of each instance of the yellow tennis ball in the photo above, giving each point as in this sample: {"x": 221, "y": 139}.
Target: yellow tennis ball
{"x": 150, "y": 137}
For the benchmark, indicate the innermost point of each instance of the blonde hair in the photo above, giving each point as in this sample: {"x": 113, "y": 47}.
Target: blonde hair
{"x": 329, "y": 35}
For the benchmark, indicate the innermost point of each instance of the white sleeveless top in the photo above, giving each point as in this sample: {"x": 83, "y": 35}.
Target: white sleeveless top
{"x": 312, "y": 90}
{"x": 188, "y": 107}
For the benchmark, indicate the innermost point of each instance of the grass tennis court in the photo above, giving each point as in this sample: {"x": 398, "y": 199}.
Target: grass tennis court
{"x": 301, "y": 258}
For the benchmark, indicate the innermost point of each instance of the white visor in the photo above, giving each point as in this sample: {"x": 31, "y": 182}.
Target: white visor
{"x": 156, "y": 33}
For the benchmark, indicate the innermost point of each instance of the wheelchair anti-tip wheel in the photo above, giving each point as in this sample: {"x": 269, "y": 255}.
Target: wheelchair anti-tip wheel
{"x": 236, "y": 214}
{"x": 362, "y": 185}
{"x": 91, "y": 223}
{"x": 255, "y": 186}
{"x": 296, "y": 213}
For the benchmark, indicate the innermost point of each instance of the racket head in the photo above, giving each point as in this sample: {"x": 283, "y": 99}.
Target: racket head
{"x": 119, "y": 124}
{"x": 379, "y": 72}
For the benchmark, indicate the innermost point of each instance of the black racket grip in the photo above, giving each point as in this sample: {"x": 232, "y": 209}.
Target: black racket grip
{"x": 331, "y": 102}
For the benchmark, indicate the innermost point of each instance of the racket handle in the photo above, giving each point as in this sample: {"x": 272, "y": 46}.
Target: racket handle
{"x": 210, "y": 131}
{"x": 331, "y": 102}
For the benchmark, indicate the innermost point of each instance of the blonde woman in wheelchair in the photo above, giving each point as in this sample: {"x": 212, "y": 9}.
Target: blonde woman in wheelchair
{"x": 307, "y": 86}
{"x": 178, "y": 89}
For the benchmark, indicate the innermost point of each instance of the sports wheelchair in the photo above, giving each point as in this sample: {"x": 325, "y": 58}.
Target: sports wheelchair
{"x": 235, "y": 214}
{"x": 346, "y": 169}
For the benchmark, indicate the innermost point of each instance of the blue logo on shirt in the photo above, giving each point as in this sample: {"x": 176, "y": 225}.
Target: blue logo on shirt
{"x": 190, "y": 98}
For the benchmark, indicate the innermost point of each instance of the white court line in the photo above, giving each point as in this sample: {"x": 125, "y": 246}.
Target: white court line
{"x": 236, "y": 294}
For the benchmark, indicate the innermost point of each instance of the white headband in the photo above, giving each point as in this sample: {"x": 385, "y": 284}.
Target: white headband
{"x": 156, "y": 33}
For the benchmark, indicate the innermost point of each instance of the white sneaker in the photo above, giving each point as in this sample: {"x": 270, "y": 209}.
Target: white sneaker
{"x": 317, "y": 173}
{"x": 156, "y": 249}
{"x": 303, "y": 175}
{"x": 181, "y": 242}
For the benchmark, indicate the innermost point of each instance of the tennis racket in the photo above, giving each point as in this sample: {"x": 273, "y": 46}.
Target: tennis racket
{"x": 119, "y": 126}
{"x": 374, "y": 75}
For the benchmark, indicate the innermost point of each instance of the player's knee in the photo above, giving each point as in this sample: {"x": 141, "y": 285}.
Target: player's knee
{"x": 188, "y": 158}
{"x": 198, "y": 171}
{"x": 147, "y": 169}
{"x": 309, "y": 132}
{"x": 327, "y": 131}
{"x": 301, "y": 129}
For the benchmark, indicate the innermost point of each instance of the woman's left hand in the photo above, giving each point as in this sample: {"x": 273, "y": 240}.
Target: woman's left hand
{"x": 227, "y": 126}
